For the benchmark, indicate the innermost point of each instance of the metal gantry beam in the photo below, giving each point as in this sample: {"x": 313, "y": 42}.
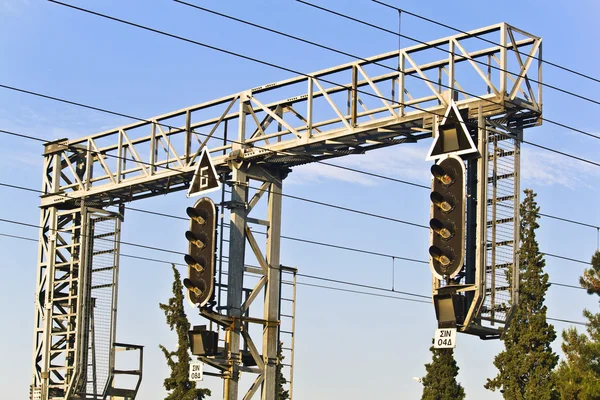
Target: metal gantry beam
{"x": 352, "y": 108}
{"x": 158, "y": 155}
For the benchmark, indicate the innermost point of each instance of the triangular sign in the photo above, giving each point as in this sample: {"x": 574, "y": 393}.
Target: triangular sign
{"x": 452, "y": 136}
{"x": 205, "y": 178}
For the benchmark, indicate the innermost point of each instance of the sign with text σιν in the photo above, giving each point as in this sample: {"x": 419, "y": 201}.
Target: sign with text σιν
{"x": 445, "y": 338}
{"x": 196, "y": 370}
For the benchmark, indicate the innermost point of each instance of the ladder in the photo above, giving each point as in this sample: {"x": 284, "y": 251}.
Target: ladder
{"x": 502, "y": 227}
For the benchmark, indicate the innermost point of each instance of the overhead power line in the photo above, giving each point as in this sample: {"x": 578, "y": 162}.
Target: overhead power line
{"x": 498, "y": 68}
{"x": 332, "y": 49}
{"x": 570, "y": 70}
{"x": 181, "y": 253}
{"x": 285, "y": 195}
{"x": 253, "y": 59}
{"x": 305, "y": 240}
{"x": 141, "y": 119}
{"x": 446, "y": 86}
{"x": 338, "y": 289}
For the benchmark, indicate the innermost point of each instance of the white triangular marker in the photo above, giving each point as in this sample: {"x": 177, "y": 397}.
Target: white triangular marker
{"x": 455, "y": 140}
{"x": 205, "y": 178}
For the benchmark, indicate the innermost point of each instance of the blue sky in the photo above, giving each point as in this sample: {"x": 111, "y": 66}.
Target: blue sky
{"x": 348, "y": 345}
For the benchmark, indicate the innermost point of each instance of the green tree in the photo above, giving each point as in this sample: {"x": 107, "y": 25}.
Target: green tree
{"x": 525, "y": 366}
{"x": 440, "y": 381}
{"x": 578, "y": 375}
{"x": 178, "y": 384}
{"x": 591, "y": 277}
{"x": 282, "y": 393}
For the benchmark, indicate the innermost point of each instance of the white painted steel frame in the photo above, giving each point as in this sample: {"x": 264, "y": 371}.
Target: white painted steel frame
{"x": 158, "y": 155}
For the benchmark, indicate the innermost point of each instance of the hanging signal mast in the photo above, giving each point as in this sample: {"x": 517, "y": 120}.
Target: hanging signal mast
{"x": 201, "y": 255}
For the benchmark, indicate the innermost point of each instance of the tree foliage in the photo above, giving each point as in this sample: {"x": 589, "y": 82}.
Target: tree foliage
{"x": 591, "y": 277}
{"x": 282, "y": 393}
{"x": 178, "y": 385}
{"x": 578, "y": 376}
{"x": 440, "y": 381}
{"x": 525, "y": 366}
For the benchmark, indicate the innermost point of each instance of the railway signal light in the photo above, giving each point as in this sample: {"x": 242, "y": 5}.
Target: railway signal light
{"x": 447, "y": 250}
{"x": 201, "y": 253}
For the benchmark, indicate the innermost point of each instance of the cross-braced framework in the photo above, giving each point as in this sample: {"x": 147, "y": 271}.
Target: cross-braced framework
{"x": 237, "y": 318}
{"x": 259, "y": 134}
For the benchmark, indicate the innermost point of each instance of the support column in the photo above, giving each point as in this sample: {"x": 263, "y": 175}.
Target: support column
{"x": 272, "y": 292}
{"x": 235, "y": 280}
{"x": 482, "y": 200}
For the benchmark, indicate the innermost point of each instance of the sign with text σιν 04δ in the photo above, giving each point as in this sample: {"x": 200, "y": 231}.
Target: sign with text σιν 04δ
{"x": 445, "y": 338}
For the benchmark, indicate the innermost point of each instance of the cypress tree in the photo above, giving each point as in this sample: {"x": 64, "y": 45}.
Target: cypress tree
{"x": 178, "y": 385}
{"x": 440, "y": 381}
{"x": 525, "y": 366}
{"x": 578, "y": 376}
{"x": 282, "y": 393}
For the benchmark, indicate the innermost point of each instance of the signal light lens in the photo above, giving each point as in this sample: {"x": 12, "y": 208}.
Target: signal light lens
{"x": 439, "y": 256}
{"x": 442, "y": 175}
{"x": 442, "y": 230}
{"x": 195, "y": 240}
{"x": 444, "y": 204}
{"x": 193, "y": 288}
{"x": 193, "y": 214}
{"x": 198, "y": 265}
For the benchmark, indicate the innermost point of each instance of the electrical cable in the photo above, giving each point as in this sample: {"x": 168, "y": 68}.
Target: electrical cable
{"x": 303, "y": 275}
{"x": 303, "y": 74}
{"x": 570, "y": 70}
{"x": 322, "y": 286}
{"x": 181, "y": 253}
{"x": 306, "y": 240}
{"x": 388, "y": 31}
{"x": 415, "y": 224}
{"x": 461, "y": 91}
{"x": 285, "y": 195}
{"x": 361, "y": 21}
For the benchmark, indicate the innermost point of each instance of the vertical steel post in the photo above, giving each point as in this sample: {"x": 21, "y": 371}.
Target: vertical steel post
{"x": 517, "y": 218}
{"x": 237, "y": 250}
{"x": 481, "y": 215}
{"x": 354, "y": 99}
{"x": 235, "y": 281}
{"x": 272, "y": 292}
{"x": 401, "y": 82}
{"x": 503, "y": 60}
{"x": 43, "y": 301}
{"x": 471, "y": 242}
{"x": 494, "y": 228}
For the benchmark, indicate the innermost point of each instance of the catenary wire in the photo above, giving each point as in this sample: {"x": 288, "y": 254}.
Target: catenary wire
{"x": 96, "y": 108}
{"x": 253, "y": 59}
{"x": 304, "y": 240}
{"x": 351, "y": 169}
{"x": 175, "y": 252}
{"x": 458, "y": 90}
{"x": 143, "y": 246}
{"x": 358, "y": 171}
{"x": 289, "y": 238}
{"x": 233, "y": 141}
{"x": 320, "y": 286}
{"x": 363, "y": 22}
{"x": 343, "y": 208}
{"x": 246, "y": 22}
{"x": 570, "y": 70}
{"x": 394, "y": 69}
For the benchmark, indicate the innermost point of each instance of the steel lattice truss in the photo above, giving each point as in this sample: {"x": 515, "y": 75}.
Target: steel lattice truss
{"x": 352, "y": 108}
